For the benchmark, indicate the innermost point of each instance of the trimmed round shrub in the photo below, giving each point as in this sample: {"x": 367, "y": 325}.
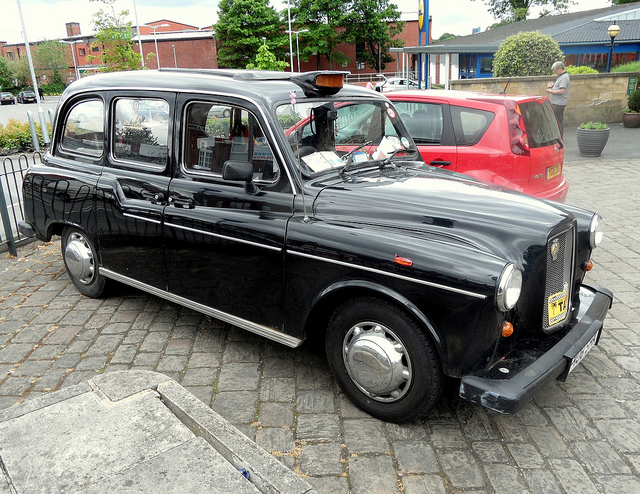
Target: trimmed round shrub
{"x": 526, "y": 54}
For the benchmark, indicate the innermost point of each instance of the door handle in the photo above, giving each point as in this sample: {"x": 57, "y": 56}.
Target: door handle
{"x": 440, "y": 163}
{"x": 153, "y": 196}
{"x": 182, "y": 203}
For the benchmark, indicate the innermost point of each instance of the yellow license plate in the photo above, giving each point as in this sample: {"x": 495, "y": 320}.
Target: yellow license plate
{"x": 558, "y": 305}
{"x": 554, "y": 171}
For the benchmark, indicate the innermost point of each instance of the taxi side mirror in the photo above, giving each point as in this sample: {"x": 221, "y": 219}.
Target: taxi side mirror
{"x": 240, "y": 171}
{"x": 237, "y": 171}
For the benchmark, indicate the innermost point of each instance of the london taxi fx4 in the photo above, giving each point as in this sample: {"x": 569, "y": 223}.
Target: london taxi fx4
{"x": 293, "y": 206}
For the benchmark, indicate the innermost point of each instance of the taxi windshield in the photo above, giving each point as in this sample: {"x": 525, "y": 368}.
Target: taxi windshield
{"x": 326, "y": 135}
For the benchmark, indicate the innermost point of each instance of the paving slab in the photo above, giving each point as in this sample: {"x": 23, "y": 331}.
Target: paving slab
{"x": 131, "y": 431}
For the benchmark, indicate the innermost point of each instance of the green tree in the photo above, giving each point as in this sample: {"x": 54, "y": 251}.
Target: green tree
{"x": 526, "y": 54}
{"x": 51, "y": 57}
{"x": 373, "y": 24}
{"x": 20, "y": 73}
{"x": 114, "y": 39}
{"x": 518, "y": 10}
{"x": 325, "y": 20}
{"x": 620, "y": 2}
{"x": 241, "y": 27}
{"x": 265, "y": 60}
{"x": 444, "y": 37}
{"x": 6, "y": 80}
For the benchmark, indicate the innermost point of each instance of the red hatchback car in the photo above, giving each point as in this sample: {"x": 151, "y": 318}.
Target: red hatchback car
{"x": 513, "y": 141}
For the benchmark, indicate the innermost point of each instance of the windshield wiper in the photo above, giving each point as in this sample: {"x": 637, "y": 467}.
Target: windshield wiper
{"x": 351, "y": 154}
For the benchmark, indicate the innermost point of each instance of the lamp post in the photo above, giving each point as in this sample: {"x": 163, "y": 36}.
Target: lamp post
{"x": 297, "y": 43}
{"x": 135, "y": 11}
{"x": 175, "y": 60}
{"x": 613, "y": 31}
{"x": 289, "y": 31}
{"x": 155, "y": 39}
{"x": 73, "y": 56}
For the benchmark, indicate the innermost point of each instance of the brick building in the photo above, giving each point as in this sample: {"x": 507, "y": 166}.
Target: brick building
{"x": 186, "y": 46}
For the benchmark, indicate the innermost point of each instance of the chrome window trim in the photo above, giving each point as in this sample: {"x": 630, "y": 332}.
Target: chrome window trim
{"x": 224, "y": 237}
{"x": 252, "y": 327}
{"x": 393, "y": 275}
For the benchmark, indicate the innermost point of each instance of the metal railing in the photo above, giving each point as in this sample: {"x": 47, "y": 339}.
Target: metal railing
{"x": 11, "y": 211}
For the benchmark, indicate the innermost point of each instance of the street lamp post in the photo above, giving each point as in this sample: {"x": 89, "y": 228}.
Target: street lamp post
{"x": 73, "y": 56}
{"x": 155, "y": 39}
{"x": 613, "y": 31}
{"x": 297, "y": 43}
{"x": 135, "y": 11}
{"x": 290, "y": 39}
{"x": 175, "y": 60}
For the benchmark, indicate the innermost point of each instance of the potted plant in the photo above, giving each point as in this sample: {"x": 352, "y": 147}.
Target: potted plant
{"x": 592, "y": 137}
{"x": 631, "y": 117}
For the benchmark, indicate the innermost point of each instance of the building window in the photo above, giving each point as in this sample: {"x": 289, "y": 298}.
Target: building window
{"x": 95, "y": 49}
{"x": 467, "y": 67}
{"x": 10, "y": 55}
{"x": 486, "y": 65}
{"x": 82, "y": 52}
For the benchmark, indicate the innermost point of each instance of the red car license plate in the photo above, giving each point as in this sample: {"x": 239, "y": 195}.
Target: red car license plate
{"x": 554, "y": 171}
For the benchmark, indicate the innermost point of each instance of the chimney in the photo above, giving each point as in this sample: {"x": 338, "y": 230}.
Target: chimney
{"x": 73, "y": 28}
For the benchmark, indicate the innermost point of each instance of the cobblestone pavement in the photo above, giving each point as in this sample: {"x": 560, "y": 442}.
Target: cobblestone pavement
{"x": 582, "y": 436}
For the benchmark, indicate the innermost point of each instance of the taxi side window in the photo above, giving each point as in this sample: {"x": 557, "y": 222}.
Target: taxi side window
{"x": 141, "y": 131}
{"x": 84, "y": 129}
{"x": 217, "y": 133}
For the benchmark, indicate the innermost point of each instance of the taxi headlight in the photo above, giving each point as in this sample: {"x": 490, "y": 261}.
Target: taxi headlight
{"x": 596, "y": 231}
{"x": 509, "y": 288}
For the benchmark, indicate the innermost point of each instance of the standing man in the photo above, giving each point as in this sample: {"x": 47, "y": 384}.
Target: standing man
{"x": 559, "y": 93}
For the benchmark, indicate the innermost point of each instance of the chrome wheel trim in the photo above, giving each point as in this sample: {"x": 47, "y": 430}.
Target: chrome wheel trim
{"x": 377, "y": 361}
{"x": 79, "y": 258}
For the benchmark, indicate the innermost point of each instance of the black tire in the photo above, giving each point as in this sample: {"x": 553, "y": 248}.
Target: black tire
{"x": 357, "y": 336}
{"x": 81, "y": 260}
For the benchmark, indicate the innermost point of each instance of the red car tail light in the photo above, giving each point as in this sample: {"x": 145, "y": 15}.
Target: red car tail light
{"x": 518, "y": 133}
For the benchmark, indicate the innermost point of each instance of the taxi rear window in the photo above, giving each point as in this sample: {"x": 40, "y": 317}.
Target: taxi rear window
{"x": 84, "y": 128}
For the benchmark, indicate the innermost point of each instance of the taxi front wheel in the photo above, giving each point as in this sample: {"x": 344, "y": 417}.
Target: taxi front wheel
{"x": 81, "y": 261}
{"x": 383, "y": 360}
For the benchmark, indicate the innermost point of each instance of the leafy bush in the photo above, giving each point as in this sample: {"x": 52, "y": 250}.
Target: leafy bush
{"x": 594, "y": 126}
{"x": 526, "y": 54}
{"x": 627, "y": 67}
{"x": 55, "y": 88}
{"x": 583, "y": 69}
{"x": 634, "y": 101}
{"x": 16, "y": 135}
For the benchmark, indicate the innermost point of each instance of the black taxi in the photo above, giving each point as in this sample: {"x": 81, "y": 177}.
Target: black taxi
{"x": 294, "y": 206}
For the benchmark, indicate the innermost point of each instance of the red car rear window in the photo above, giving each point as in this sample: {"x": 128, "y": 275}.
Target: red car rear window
{"x": 540, "y": 123}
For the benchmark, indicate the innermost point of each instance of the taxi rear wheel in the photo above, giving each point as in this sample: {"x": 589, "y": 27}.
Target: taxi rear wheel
{"x": 81, "y": 260}
{"x": 383, "y": 360}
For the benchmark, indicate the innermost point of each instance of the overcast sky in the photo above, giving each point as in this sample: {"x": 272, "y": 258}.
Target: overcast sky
{"x": 45, "y": 19}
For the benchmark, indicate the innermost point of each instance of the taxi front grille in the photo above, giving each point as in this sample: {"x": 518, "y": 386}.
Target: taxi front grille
{"x": 557, "y": 296}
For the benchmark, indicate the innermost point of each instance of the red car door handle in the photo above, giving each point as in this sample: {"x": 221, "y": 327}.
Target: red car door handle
{"x": 440, "y": 163}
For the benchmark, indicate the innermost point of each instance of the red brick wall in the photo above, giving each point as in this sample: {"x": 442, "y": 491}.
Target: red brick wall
{"x": 191, "y": 54}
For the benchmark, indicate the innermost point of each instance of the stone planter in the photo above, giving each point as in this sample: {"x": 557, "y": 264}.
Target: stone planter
{"x": 591, "y": 142}
{"x": 631, "y": 120}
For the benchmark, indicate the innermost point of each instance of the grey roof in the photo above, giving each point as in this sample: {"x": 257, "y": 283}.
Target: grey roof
{"x": 568, "y": 26}
{"x": 596, "y": 31}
